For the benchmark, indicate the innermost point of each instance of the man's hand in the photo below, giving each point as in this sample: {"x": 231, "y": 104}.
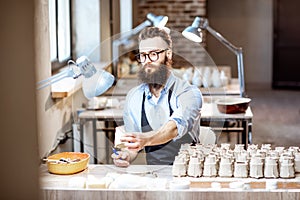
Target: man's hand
{"x": 121, "y": 158}
{"x": 135, "y": 141}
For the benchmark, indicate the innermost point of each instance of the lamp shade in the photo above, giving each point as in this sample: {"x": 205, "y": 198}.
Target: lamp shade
{"x": 97, "y": 84}
{"x": 194, "y": 32}
{"x": 157, "y": 21}
{"x": 96, "y": 81}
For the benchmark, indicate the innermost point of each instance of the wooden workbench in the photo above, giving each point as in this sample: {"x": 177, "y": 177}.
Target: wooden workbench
{"x": 63, "y": 187}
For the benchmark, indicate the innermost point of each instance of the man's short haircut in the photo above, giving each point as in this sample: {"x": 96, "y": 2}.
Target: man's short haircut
{"x": 151, "y": 32}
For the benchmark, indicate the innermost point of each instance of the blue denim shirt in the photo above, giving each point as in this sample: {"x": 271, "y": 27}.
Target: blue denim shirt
{"x": 186, "y": 102}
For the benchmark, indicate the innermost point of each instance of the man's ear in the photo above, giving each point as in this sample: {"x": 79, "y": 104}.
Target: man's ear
{"x": 169, "y": 54}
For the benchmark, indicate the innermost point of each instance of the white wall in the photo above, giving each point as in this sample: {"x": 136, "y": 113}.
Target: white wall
{"x": 56, "y": 116}
{"x": 247, "y": 24}
{"x": 86, "y": 40}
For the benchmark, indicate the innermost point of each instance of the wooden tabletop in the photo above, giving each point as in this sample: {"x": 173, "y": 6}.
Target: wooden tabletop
{"x": 73, "y": 186}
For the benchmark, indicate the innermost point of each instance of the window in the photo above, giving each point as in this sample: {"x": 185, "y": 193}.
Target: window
{"x": 60, "y": 32}
{"x": 125, "y": 15}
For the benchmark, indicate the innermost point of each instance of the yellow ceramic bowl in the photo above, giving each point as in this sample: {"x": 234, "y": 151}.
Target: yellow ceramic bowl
{"x": 77, "y": 162}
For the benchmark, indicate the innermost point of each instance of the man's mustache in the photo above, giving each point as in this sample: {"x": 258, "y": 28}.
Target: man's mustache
{"x": 149, "y": 65}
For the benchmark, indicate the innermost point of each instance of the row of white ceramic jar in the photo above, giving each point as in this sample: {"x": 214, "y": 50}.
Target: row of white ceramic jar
{"x": 211, "y": 161}
{"x": 204, "y": 76}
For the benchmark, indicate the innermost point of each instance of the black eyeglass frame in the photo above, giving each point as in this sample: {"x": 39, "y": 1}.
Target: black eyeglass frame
{"x": 138, "y": 56}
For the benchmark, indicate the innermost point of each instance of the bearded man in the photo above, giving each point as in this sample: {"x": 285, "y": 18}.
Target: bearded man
{"x": 161, "y": 113}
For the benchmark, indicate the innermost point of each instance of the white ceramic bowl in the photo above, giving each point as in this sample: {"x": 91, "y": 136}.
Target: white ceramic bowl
{"x": 233, "y": 105}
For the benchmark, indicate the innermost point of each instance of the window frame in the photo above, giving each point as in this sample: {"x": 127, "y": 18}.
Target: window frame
{"x": 56, "y": 64}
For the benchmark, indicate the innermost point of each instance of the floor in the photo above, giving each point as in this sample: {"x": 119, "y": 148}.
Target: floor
{"x": 276, "y": 118}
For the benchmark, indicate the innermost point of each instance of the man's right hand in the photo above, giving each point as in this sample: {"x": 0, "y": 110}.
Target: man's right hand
{"x": 121, "y": 158}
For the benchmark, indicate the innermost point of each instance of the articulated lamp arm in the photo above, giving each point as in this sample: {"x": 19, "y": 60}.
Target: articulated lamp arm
{"x": 194, "y": 33}
{"x": 239, "y": 55}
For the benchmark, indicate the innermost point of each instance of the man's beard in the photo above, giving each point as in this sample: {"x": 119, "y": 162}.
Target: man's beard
{"x": 156, "y": 78}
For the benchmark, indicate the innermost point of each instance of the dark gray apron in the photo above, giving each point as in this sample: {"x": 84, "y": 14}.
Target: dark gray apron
{"x": 163, "y": 154}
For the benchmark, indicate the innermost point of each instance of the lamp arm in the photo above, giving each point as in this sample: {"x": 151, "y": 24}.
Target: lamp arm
{"x": 240, "y": 66}
{"x": 123, "y": 39}
{"x": 225, "y": 42}
{"x": 239, "y": 54}
{"x": 53, "y": 79}
{"x": 140, "y": 27}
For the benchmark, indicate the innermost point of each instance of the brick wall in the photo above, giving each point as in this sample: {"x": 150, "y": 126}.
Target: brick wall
{"x": 181, "y": 14}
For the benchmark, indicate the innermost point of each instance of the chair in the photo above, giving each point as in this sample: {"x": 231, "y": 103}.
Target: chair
{"x": 207, "y": 135}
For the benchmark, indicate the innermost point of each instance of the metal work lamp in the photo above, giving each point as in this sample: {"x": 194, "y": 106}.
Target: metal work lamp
{"x": 95, "y": 82}
{"x": 194, "y": 33}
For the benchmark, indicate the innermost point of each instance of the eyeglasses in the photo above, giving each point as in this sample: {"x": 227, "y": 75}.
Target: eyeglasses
{"x": 152, "y": 55}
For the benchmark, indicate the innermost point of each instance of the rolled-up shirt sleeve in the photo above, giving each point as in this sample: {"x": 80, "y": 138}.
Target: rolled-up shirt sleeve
{"x": 187, "y": 112}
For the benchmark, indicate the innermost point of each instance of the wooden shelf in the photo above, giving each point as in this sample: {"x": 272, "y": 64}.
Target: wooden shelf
{"x": 65, "y": 88}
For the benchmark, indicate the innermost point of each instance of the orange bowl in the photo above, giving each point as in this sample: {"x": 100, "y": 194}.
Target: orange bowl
{"x": 73, "y": 162}
{"x": 233, "y": 105}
